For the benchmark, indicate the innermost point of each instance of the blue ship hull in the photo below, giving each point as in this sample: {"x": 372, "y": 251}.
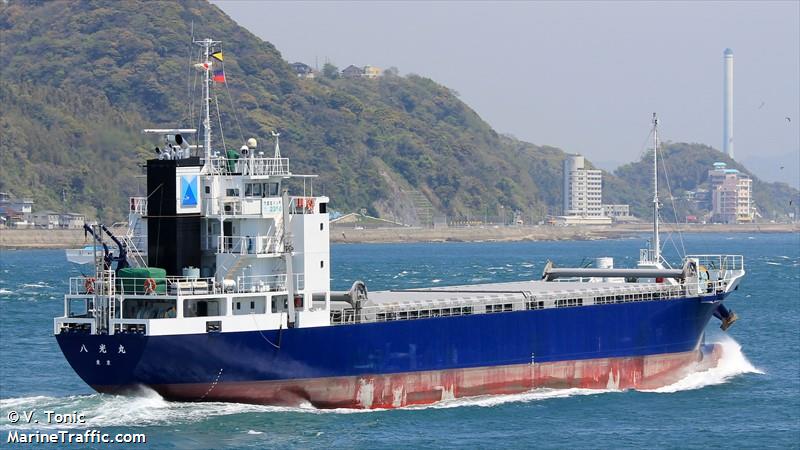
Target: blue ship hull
{"x": 236, "y": 365}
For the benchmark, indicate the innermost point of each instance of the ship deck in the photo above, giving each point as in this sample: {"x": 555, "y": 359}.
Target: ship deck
{"x": 502, "y": 290}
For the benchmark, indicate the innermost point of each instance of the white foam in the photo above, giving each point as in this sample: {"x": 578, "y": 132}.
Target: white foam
{"x": 5, "y": 292}
{"x": 487, "y": 401}
{"x": 732, "y": 363}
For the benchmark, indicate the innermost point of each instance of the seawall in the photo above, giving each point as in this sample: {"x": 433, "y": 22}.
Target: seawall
{"x": 11, "y": 238}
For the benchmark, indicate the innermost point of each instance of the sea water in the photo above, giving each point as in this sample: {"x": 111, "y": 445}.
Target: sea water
{"x": 752, "y": 399}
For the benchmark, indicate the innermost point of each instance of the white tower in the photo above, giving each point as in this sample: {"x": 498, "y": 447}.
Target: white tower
{"x": 727, "y": 104}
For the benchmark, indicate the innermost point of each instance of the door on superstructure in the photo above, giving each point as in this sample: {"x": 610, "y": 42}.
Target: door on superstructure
{"x": 227, "y": 232}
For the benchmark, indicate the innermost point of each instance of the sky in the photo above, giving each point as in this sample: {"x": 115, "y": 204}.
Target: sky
{"x": 582, "y": 76}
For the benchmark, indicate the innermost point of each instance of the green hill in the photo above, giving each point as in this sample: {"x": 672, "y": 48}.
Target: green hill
{"x": 81, "y": 79}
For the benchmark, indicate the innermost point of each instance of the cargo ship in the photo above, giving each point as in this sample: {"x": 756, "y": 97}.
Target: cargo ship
{"x": 220, "y": 291}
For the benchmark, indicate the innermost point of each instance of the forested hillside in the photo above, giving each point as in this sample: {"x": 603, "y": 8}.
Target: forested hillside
{"x": 81, "y": 79}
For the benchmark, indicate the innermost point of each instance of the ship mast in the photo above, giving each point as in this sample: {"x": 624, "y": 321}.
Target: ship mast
{"x": 207, "y": 44}
{"x": 656, "y": 242}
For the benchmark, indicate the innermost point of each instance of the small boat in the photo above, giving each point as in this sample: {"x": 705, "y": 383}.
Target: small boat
{"x": 85, "y": 255}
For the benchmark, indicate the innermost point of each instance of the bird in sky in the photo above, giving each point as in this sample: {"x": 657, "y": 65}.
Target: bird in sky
{"x": 789, "y": 119}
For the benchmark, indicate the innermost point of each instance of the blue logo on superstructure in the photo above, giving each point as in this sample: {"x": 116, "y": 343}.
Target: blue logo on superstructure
{"x": 188, "y": 191}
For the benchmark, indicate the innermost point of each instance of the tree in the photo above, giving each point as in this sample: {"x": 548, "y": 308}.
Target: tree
{"x": 330, "y": 71}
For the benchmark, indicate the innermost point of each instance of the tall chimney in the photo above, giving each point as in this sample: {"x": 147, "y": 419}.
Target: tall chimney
{"x": 727, "y": 104}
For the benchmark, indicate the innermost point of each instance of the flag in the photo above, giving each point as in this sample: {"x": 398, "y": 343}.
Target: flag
{"x": 217, "y": 56}
{"x": 218, "y": 75}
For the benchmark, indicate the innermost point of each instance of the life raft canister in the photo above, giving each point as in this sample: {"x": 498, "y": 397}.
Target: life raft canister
{"x": 149, "y": 286}
{"x": 88, "y": 284}
{"x": 304, "y": 203}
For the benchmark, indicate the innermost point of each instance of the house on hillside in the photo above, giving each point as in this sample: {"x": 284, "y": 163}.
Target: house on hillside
{"x": 46, "y": 219}
{"x": 71, "y": 220}
{"x": 303, "y": 70}
{"x": 352, "y": 71}
{"x": 12, "y": 206}
{"x": 371, "y": 72}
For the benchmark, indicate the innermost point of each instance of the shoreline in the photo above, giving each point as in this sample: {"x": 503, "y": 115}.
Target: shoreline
{"x": 62, "y": 239}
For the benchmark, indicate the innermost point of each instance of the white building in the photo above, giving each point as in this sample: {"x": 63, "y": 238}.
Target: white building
{"x": 12, "y": 206}
{"x": 731, "y": 195}
{"x": 618, "y": 213}
{"x": 583, "y": 193}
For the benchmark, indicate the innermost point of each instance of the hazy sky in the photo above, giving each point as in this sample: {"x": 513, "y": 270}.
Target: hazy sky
{"x": 583, "y": 76}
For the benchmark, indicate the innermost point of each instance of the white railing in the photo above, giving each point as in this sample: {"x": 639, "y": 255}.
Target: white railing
{"x": 72, "y": 323}
{"x": 246, "y": 245}
{"x": 268, "y": 283}
{"x": 720, "y": 262}
{"x": 86, "y": 287}
{"x": 647, "y": 255}
{"x": 138, "y": 205}
{"x": 89, "y": 286}
{"x": 256, "y": 166}
{"x": 231, "y": 206}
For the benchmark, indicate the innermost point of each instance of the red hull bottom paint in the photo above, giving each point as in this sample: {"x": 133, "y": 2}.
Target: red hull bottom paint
{"x": 418, "y": 388}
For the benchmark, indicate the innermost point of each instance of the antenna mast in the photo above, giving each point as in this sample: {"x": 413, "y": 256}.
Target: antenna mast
{"x": 207, "y": 44}
{"x": 656, "y": 243}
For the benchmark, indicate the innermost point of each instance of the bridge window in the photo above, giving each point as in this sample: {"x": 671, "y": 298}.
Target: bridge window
{"x": 271, "y": 189}
{"x": 252, "y": 190}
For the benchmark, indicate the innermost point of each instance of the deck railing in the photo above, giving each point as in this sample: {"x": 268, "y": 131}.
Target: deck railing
{"x": 138, "y": 205}
{"x": 256, "y": 166}
{"x": 246, "y": 245}
{"x": 720, "y": 262}
{"x": 268, "y": 283}
{"x": 171, "y": 286}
